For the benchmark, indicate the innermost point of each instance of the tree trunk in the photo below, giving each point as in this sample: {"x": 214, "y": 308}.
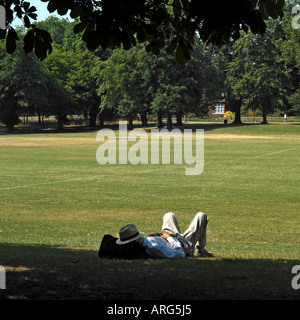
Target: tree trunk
{"x": 101, "y": 120}
{"x": 10, "y": 121}
{"x": 264, "y": 114}
{"x": 179, "y": 118}
{"x": 40, "y": 119}
{"x": 169, "y": 121}
{"x": 93, "y": 115}
{"x": 144, "y": 119}
{"x": 85, "y": 115}
{"x": 130, "y": 122}
{"x": 159, "y": 119}
{"x": 60, "y": 121}
{"x": 237, "y": 110}
{"x": 9, "y": 127}
{"x": 264, "y": 118}
{"x": 93, "y": 118}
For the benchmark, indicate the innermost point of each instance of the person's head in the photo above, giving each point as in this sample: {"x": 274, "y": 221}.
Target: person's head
{"x": 128, "y": 234}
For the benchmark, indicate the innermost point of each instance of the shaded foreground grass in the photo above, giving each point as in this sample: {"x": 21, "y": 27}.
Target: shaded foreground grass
{"x": 57, "y": 203}
{"x": 79, "y": 274}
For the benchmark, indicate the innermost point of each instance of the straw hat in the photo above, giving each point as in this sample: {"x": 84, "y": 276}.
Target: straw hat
{"x": 129, "y": 233}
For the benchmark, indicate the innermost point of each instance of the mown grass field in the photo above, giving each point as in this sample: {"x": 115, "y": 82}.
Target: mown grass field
{"x": 57, "y": 202}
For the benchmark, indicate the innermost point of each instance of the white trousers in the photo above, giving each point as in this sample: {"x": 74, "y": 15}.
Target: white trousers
{"x": 195, "y": 234}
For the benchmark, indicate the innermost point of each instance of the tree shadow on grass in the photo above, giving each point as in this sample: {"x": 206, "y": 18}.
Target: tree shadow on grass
{"x": 207, "y": 126}
{"x": 37, "y": 272}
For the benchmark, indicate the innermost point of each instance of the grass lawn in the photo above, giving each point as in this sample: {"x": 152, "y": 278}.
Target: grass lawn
{"x": 57, "y": 202}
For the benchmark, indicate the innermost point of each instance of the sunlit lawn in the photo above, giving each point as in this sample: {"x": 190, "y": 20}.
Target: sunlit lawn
{"x": 57, "y": 202}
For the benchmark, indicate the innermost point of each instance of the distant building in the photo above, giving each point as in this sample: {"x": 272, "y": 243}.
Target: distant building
{"x": 217, "y": 110}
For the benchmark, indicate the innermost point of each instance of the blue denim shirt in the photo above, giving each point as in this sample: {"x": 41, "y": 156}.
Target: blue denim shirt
{"x": 161, "y": 248}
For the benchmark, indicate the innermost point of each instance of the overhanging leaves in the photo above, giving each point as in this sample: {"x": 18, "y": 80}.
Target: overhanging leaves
{"x": 11, "y": 39}
{"x": 120, "y": 23}
{"x": 40, "y": 41}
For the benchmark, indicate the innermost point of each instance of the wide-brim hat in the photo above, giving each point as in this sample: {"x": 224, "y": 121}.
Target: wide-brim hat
{"x": 129, "y": 233}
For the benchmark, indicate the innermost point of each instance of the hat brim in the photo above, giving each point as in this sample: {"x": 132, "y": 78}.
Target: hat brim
{"x": 140, "y": 235}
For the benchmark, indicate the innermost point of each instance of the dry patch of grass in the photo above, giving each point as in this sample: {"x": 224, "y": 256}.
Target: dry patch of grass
{"x": 242, "y": 137}
{"x": 27, "y": 141}
{"x": 18, "y": 141}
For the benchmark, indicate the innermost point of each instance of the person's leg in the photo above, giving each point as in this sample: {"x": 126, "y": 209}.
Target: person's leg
{"x": 170, "y": 223}
{"x": 196, "y": 234}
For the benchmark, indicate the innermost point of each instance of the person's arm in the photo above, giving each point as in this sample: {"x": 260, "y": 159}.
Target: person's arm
{"x": 174, "y": 243}
{"x": 158, "y": 249}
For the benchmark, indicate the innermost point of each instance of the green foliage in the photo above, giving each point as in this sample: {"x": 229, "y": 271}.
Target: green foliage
{"x": 262, "y": 71}
{"x": 134, "y": 82}
{"x": 56, "y": 27}
{"x": 72, "y": 64}
{"x": 173, "y": 24}
{"x": 295, "y": 102}
{"x": 53, "y": 86}
{"x": 258, "y": 72}
{"x": 121, "y": 83}
{"x": 22, "y": 86}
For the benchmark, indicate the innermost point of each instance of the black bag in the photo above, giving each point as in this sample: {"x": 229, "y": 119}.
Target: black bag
{"x": 110, "y": 250}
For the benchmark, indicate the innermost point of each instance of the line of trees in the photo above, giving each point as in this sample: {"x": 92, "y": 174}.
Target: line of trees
{"x": 60, "y": 85}
{"x": 255, "y": 72}
{"x": 262, "y": 71}
{"x": 129, "y": 84}
{"x": 135, "y": 82}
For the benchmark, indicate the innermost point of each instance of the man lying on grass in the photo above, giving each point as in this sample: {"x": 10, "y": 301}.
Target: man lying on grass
{"x": 171, "y": 243}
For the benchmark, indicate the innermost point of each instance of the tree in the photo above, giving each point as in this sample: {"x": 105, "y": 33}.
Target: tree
{"x": 67, "y": 72}
{"x": 171, "y": 24}
{"x": 60, "y": 67}
{"x": 258, "y": 73}
{"x": 81, "y": 78}
{"x": 120, "y": 85}
{"x": 59, "y": 100}
{"x": 287, "y": 43}
{"x": 291, "y": 53}
{"x": 222, "y": 58}
{"x": 56, "y": 27}
{"x": 22, "y": 86}
{"x": 134, "y": 82}
{"x": 72, "y": 64}
{"x": 295, "y": 103}
{"x": 206, "y": 83}
{"x": 180, "y": 89}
